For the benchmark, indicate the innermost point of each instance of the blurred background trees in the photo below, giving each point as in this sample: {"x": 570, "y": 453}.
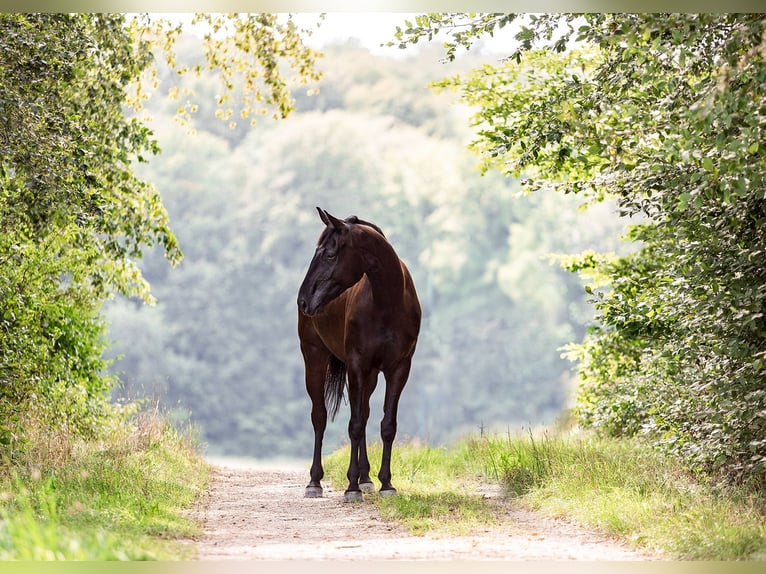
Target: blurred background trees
{"x": 220, "y": 347}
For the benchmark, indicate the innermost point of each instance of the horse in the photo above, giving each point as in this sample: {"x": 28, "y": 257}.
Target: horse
{"x": 358, "y": 315}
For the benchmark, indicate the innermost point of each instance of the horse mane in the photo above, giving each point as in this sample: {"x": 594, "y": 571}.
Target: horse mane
{"x": 355, "y": 219}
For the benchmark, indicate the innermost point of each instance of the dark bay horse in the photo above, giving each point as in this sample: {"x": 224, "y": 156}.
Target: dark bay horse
{"x": 358, "y": 315}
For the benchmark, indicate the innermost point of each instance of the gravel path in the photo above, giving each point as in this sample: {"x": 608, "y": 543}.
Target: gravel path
{"x": 259, "y": 513}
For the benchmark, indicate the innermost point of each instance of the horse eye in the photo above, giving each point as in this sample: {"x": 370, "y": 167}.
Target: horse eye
{"x": 332, "y": 256}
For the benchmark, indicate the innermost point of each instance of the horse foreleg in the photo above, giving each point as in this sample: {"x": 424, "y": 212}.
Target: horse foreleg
{"x": 319, "y": 422}
{"x": 365, "y": 483}
{"x": 395, "y": 381}
{"x": 316, "y": 367}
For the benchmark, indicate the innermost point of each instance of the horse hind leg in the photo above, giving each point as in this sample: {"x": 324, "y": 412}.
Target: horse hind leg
{"x": 395, "y": 382}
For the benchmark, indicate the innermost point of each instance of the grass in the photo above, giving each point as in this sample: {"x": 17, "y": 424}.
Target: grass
{"x": 437, "y": 488}
{"x": 625, "y": 489}
{"x": 617, "y": 486}
{"x": 123, "y": 497}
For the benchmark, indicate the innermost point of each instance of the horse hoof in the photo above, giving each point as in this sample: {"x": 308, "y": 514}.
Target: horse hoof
{"x": 313, "y": 492}
{"x": 388, "y": 492}
{"x": 353, "y": 496}
{"x": 367, "y": 487}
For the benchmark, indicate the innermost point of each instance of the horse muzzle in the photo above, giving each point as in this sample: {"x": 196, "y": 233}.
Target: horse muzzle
{"x": 309, "y": 308}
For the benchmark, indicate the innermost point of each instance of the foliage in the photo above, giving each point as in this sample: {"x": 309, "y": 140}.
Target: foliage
{"x": 248, "y": 54}
{"x": 51, "y": 342}
{"x": 123, "y": 497}
{"x": 68, "y": 147}
{"x": 664, "y": 113}
{"x": 74, "y": 217}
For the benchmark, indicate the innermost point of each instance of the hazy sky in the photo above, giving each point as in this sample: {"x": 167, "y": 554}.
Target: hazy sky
{"x": 374, "y": 29}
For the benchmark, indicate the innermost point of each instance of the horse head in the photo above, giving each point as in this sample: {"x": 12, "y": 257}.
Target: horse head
{"x": 336, "y": 266}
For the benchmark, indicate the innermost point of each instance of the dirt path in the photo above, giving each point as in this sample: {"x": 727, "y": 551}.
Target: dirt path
{"x": 259, "y": 513}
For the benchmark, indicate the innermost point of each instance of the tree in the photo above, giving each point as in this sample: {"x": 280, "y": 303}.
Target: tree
{"x": 74, "y": 217}
{"x": 665, "y": 113}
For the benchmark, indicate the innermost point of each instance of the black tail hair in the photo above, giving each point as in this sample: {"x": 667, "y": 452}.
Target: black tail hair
{"x": 334, "y": 384}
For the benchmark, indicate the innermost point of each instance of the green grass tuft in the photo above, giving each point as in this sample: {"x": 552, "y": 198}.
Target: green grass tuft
{"x": 626, "y": 489}
{"x": 122, "y": 497}
{"x": 438, "y": 488}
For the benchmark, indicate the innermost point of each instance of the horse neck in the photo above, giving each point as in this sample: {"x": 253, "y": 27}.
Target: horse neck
{"x": 384, "y": 271}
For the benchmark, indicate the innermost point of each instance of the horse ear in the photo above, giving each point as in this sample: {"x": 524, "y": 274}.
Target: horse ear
{"x": 338, "y": 224}
{"x": 323, "y": 216}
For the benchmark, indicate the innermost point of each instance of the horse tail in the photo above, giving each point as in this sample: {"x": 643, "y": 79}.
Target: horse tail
{"x": 335, "y": 381}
